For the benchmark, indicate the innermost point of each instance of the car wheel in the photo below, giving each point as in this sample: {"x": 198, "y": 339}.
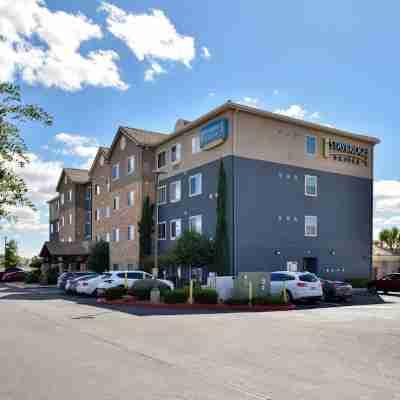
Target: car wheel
{"x": 289, "y": 296}
{"x": 372, "y": 289}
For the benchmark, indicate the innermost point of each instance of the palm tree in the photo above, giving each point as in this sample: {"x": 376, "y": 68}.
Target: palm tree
{"x": 390, "y": 238}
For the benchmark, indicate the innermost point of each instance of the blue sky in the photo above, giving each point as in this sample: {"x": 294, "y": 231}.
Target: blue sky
{"x": 95, "y": 66}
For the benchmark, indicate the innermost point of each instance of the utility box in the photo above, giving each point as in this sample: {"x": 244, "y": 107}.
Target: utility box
{"x": 261, "y": 284}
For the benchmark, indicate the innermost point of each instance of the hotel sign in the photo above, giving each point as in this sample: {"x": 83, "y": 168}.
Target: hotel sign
{"x": 345, "y": 152}
{"x": 214, "y": 133}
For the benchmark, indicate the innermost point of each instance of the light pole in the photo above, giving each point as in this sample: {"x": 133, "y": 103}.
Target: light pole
{"x": 157, "y": 174}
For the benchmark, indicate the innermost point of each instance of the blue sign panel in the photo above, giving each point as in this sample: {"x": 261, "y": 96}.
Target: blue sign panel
{"x": 214, "y": 133}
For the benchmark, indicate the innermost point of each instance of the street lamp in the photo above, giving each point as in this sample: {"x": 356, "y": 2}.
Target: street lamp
{"x": 157, "y": 174}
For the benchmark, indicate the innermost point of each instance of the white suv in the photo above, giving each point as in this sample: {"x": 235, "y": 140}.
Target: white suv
{"x": 117, "y": 279}
{"x": 299, "y": 285}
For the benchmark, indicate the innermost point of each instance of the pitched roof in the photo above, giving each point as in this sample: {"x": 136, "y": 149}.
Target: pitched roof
{"x": 76, "y": 175}
{"x": 101, "y": 150}
{"x": 143, "y": 137}
{"x": 65, "y": 249}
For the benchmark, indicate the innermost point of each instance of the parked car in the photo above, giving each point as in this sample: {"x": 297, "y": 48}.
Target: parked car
{"x": 336, "y": 290}
{"x": 117, "y": 279}
{"x": 14, "y": 276}
{"x": 71, "y": 284}
{"x": 62, "y": 279}
{"x": 89, "y": 285}
{"x": 299, "y": 285}
{"x": 389, "y": 283}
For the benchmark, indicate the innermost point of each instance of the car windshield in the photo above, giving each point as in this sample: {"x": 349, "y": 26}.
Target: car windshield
{"x": 82, "y": 278}
{"x": 308, "y": 278}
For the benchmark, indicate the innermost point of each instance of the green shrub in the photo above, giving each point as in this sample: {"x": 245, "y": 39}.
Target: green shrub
{"x": 236, "y": 301}
{"x": 358, "y": 282}
{"x": 33, "y": 276}
{"x": 115, "y": 293}
{"x": 141, "y": 289}
{"x": 205, "y": 296}
{"x": 176, "y": 296}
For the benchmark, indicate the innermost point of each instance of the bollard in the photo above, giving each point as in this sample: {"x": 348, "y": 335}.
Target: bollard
{"x": 126, "y": 280}
{"x": 190, "y": 300}
{"x": 250, "y": 292}
{"x": 285, "y": 296}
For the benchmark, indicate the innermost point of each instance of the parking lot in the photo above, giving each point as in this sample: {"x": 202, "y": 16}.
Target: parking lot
{"x": 55, "y": 347}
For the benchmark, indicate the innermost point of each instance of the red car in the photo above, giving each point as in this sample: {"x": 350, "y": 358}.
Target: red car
{"x": 389, "y": 283}
{"x": 14, "y": 276}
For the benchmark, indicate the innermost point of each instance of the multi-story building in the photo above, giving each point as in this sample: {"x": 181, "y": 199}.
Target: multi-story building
{"x": 54, "y": 218}
{"x": 299, "y": 194}
{"x": 74, "y": 206}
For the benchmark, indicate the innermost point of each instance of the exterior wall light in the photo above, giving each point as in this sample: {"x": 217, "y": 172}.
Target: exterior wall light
{"x": 332, "y": 252}
{"x": 277, "y": 252}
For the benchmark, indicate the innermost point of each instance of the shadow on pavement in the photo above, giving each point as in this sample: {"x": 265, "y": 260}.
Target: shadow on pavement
{"x": 10, "y": 292}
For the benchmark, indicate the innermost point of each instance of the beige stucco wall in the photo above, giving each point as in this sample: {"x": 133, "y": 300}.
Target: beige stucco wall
{"x": 270, "y": 140}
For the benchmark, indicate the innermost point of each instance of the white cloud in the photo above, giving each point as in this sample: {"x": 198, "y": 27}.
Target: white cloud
{"x": 294, "y": 111}
{"x": 43, "y": 48}
{"x": 77, "y": 145}
{"x": 150, "y": 36}
{"x": 315, "y": 115}
{"x": 211, "y": 94}
{"x": 205, "y": 53}
{"x": 250, "y": 100}
{"x": 387, "y": 196}
{"x": 27, "y": 221}
{"x": 155, "y": 69}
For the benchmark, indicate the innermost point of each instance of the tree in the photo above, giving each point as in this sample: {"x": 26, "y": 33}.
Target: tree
{"x": 99, "y": 257}
{"x": 390, "y": 238}
{"x": 11, "y": 258}
{"x": 192, "y": 250}
{"x": 221, "y": 262}
{"x": 13, "y": 151}
{"x": 146, "y": 229}
{"x": 36, "y": 262}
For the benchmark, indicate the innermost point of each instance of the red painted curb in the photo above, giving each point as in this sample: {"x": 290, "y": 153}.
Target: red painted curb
{"x": 185, "y": 306}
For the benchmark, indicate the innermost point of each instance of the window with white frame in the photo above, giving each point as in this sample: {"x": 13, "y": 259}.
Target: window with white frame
{"x": 51, "y": 228}
{"x": 310, "y": 226}
{"x": 115, "y": 235}
{"x": 62, "y": 199}
{"x": 69, "y": 239}
{"x": 98, "y": 238}
{"x": 131, "y": 199}
{"x": 70, "y": 195}
{"x": 311, "y": 145}
{"x": 62, "y": 221}
{"x": 161, "y": 159}
{"x": 175, "y": 228}
{"x": 310, "y": 185}
{"x": 108, "y": 237}
{"x": 162, "y": 230}
{"x": 58, "y": 227}
{"x": 162, "y": 195}
{"x": 195, "y": 185}
{"x": 97, "y": 189}
{"x": 196, "y": 224}
{"x": 131, "y": 164}
{"x": 176, "y": 153}
{"x": 108, "y": 184}
{"x": 116, "y": 203}
{"x": 175, "y": 191}
{"x": 131, "y": 232}
{"x": 196, "y": 144}
{"x": 66, "y": 180}
{"x": 70, "y": 219}
{"x": 97, "y": 214}
{"x": 108, "y": 212}
{"x": 115, "y": 172}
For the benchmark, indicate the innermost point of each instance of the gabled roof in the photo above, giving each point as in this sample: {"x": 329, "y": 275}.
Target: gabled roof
{"x": 80, "y": 176}
{"x": 65, "y": 249}
{"x": 100, "y": 151}
{"x": 139, "y": 136}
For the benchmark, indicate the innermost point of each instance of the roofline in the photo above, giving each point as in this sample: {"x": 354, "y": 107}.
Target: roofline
{"x": 63, "y": 172}
{"x": 101, "y": 149}
{"x": 52, "y": 199}
{"x": 271, "y": 115}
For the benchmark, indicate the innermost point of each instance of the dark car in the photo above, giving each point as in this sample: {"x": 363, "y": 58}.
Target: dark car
{"x": 14, "y": 276}
{"x": 336, "y": 290}
{"x": 389, "y": 283}
{"x": 63, "y": 278}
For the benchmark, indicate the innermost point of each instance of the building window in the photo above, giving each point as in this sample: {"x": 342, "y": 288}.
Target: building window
{"x": 131, "y": 164}
{"x": 62, "y": 199}
{"x": 97, "y": 214}
{"x": 195, "y": 185}
{"x": 108, "y": 184}
{"x": 162, "y": 159}
{"x": 69, "y": 239}
{"x": 62, "y": 239}
{"x": 311, "y": 145}
{"x": 70, "y": 219}
{"x": 196, "y": 224}
{"x": 176, "y": 153}
{"x": 310, "y": 185}
{"x": 65, "y": 180}
{"x": 310, "y": 226}
{"x": 196, "y": 145}
{"x": 115, "y": 172}
{"x": 108, "y": 237}
{"x": 62, "y": 221}
{"x": 108, "y": 212}
{"x": 122, "y": 143}
{"x": 162, "y": 195}
{"x": 176, "y": 228}
{"x": 116, "y": 203}
{"x": 131, "y": 199}
{"x": 101, "y": 160}
{"x": 162, "y": 230}
{"x": 175, "y": 191}
{"x": 131, "y": 232}
{"x": 88, "y": 195}
{"x": 70, "y": 195}
{"x": 98, "y": 238}
{"x": 58, "y": 227}
{"x": 115, "y": 267}
{"x": 51, "y": 228}
{"x": 97, "y": 189}
{"x": 115, "y": 234}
